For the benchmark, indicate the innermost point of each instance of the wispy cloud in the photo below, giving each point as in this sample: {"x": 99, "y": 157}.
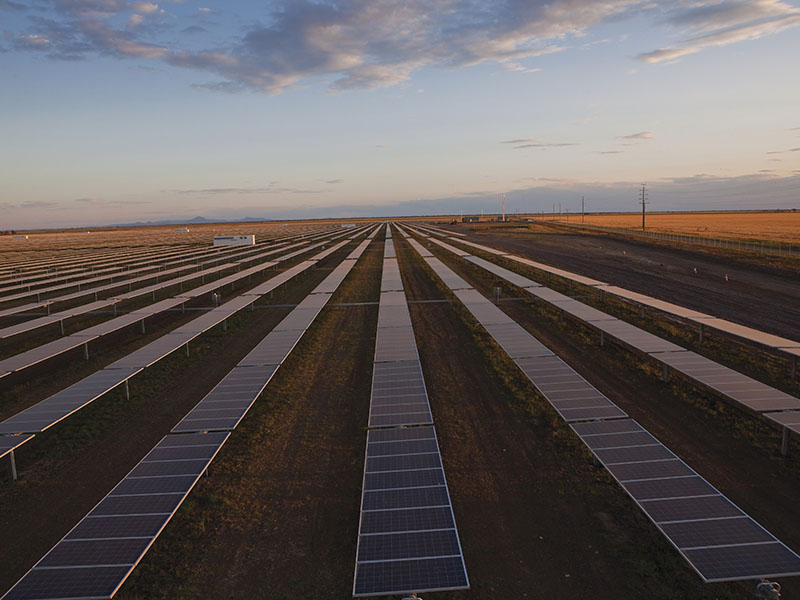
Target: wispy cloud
{"x": 784, "y": 151}
{"x": 271, "y": 189}
{"x": 609, "y": 152}
{"x": 545, "y": 145}
{"x": 642, "y": 135}
{"x": 711, "y": 23}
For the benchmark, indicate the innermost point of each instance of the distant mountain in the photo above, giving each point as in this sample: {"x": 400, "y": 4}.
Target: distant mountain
{"x": 194, "y": 221}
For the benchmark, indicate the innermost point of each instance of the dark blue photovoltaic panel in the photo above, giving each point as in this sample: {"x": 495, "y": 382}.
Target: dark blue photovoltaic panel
{"x": 406, "y": 517}
{"x": 719, "y": 540}
{"x": 407, "y": 576}
{"x": 97, "y": 555}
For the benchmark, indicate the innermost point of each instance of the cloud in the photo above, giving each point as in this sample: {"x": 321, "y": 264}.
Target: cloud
{"x": 351, "y": 44}
{"x": 545, "y": 145}
{"x": 144, "y": 8}
{"x": 11, "y": 5}
{"x": 271, "y": 189}
{"x": 642, "y": 135}
{"x": 610, "y": 152}
{"x": 711, "y": 23}
{"x": 29, "y": 204}
{"x": 31, "y": 42}
{"x": 194, "y": 29}
{"x": 519, "y": 141}
{"x": 334, "y": 181}
{"x": 663, "y": 54}
{"x": 783, "y": 151}
{"x": 369, "y": 44}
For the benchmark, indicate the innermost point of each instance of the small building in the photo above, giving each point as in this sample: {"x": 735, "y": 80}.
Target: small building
{"x": 470, "y": 219}
{"x": 20, "y": 237}
{"x": 234, "y": 240}
{"x": 181, "y": 230}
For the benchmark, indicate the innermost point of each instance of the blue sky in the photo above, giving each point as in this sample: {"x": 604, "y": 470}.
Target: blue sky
{"x": 115, "y": 111}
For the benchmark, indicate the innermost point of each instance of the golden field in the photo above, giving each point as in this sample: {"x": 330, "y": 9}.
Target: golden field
{"x": 777, "y": 226}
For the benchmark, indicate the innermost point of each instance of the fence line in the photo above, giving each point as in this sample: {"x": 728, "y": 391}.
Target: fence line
{"x": 757, "y": 246}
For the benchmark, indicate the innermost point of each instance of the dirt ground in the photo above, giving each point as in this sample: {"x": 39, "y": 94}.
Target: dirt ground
{"x": 277, "y": 518}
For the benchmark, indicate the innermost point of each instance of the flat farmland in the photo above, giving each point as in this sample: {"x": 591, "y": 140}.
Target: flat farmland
{"x": 277, "y": 516}
{"x": 773, "y": 226}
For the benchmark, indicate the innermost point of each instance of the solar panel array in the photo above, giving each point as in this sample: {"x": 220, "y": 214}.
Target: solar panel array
{"x": 407, "y": 537}
{"x": 60, "y": 405}
{"x": 95, "y": 558}
{"x": 788, "y": 346}
{"x": 51, "y": 349}
{"x": 718, "y": 540}
{"x": 737, "y": 387}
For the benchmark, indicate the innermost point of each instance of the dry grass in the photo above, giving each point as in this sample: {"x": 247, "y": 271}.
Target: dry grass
{"x": 776, "y": 226}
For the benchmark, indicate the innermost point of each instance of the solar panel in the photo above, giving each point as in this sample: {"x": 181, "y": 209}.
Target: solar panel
{"x": 394, "y": 316}
{"x": 637, "y": 338}
{"x": 789, "y": 419}
{"x": 153, "y": 352}
{"x": 510, "y": 276}
{"x": 581, "y": 311}
{"x": 398, "y": 395}
{"x": 517, "y": 342}
{"x": 97, "y": 555}
{"x": 280, "y": 278}
{"x": 449, "y": 248}
{"x": 273, "y": 349}
{"x": 574, "y": 398}
{"x": 8, "y": 443}
{"x": 41, "y": 353}
{"x": 718, "y": 540}
{"x": 224, "y": 406}
{"x": 407, "y": 540}
{"x": 389, "y": 251}
{"x": 60, "y": 405}
{"x": 740, "y": 388}
{"x": 446, "y": 274}
{"x": 395, "y": 344}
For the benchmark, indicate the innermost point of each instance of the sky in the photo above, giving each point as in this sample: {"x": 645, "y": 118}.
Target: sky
{"x": 115, "y": 111}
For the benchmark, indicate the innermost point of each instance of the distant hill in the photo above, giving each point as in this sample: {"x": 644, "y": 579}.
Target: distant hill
{"x": 195, "y": 221}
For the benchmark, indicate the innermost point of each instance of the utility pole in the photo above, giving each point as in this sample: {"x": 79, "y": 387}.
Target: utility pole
{"x": 583, "y": 211}
{"x": 504, "y": 207}
{"x": 644, "y": 203}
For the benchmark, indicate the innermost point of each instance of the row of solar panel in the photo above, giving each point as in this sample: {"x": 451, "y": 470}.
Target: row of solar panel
{"x": 407, "y": 539}
{"x": 99, "y": 553}
{"x": 717, "y": 538}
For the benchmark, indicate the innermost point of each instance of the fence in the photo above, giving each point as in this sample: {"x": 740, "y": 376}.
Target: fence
{"x": 757, "y": 246}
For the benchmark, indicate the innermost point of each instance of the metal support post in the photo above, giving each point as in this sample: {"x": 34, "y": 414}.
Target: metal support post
{"x": 12, "y": 466}
{"x": 127, "y": 391}
{"x": 48, "y": 309}
{"x": 61, "y": 323}
{"x": 115, "y": 308}
{"x": 142, "y": 326}
{"x": 665, "y": 374}
{"x": 86, "y": 351}
{"x": 225, "y": 325}
{"x": 602, "y": 337}
{"x": 785, "y": 442}
{"x": 187, "y": 348}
